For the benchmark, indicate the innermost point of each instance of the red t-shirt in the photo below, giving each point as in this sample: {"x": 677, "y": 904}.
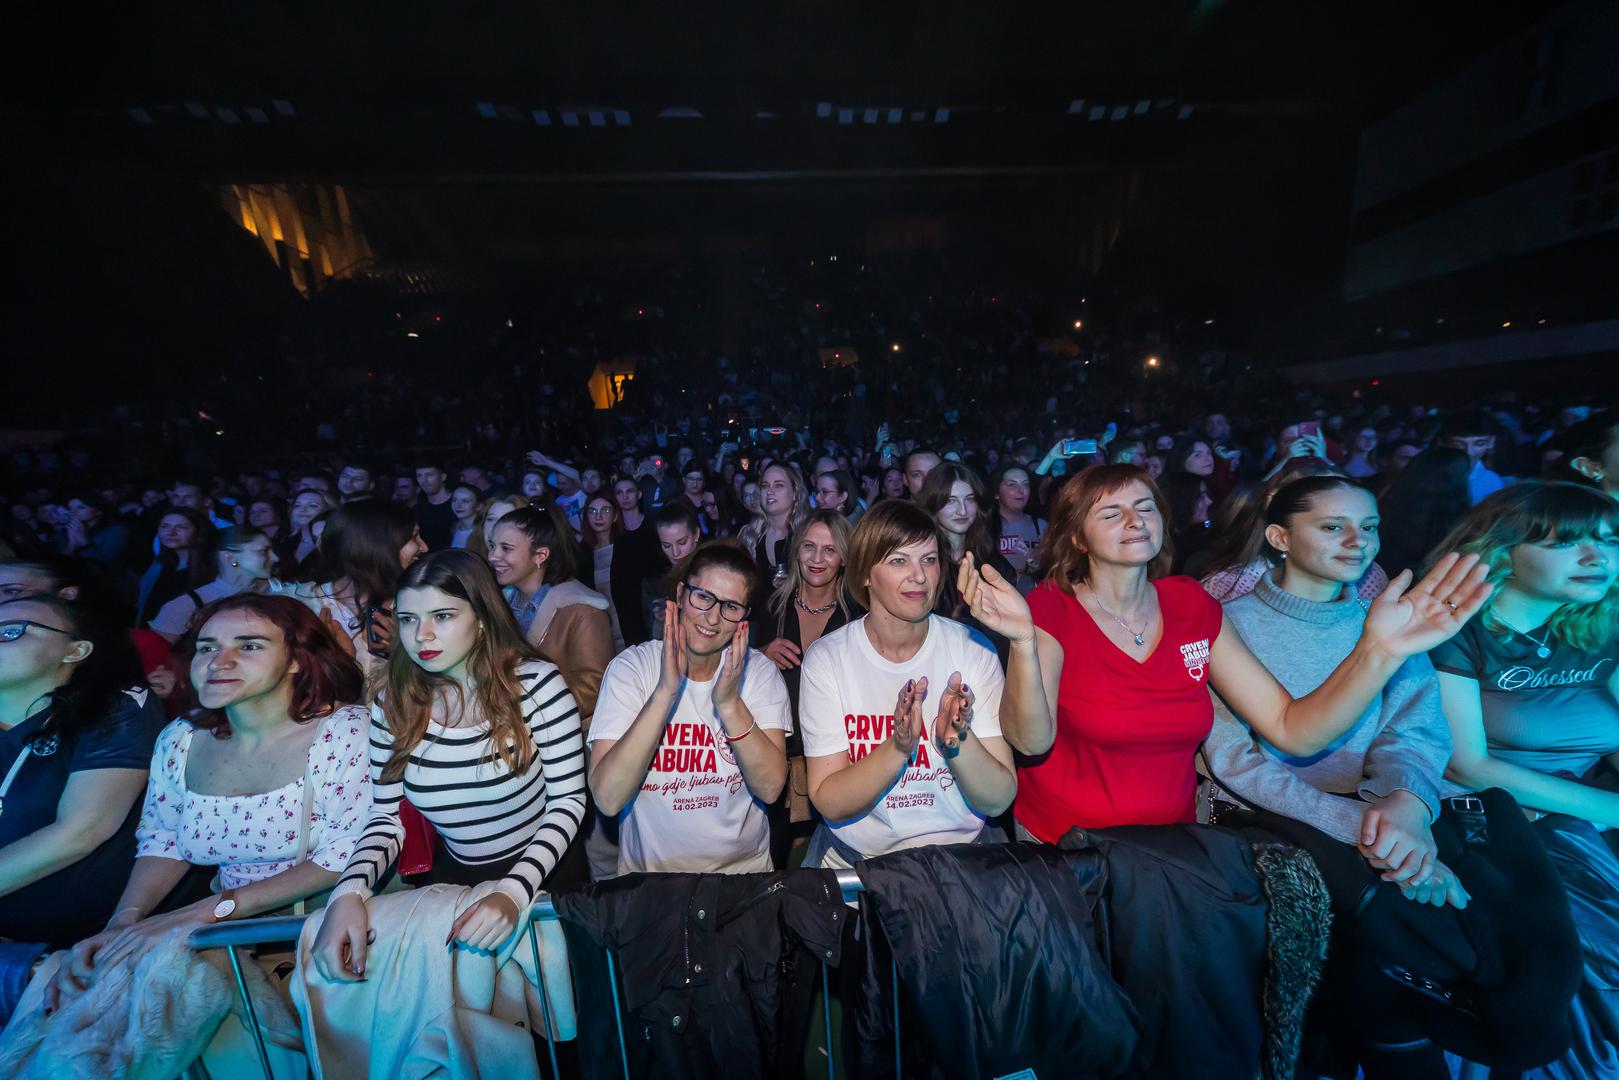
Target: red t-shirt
{"x": 1127, "y": 732}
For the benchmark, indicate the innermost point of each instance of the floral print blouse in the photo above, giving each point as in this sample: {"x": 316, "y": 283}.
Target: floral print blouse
{"x": 253, "y": 837}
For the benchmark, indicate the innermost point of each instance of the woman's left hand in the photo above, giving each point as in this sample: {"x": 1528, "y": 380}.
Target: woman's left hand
{"x": 1409, "y": 619}
{"x": 728, "y": 683}
{"x": 954, "y": 722}
{"x": 486, "y": 924}
{"x": 994, "y": 601}
{"x": 141, "y": 936}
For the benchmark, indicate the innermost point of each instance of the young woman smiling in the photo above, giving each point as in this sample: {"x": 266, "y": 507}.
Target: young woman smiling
{"x": 482, "y": 737}
{"x": 1529, "y": 690}
{"x": 565, "y": 622}
{"x": 1136, "y": 657}
{"x": 267, "y": 782}
{"x": 1368, "y": 811}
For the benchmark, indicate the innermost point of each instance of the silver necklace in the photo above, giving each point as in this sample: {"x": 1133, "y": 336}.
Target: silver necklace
{"x": 799, "y": 600}
{"x": 1544, "y": 651}
{"x": 1137, "y": 634}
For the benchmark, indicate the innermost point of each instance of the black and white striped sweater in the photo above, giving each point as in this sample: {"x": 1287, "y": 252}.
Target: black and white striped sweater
{"x": 483, "y": 813}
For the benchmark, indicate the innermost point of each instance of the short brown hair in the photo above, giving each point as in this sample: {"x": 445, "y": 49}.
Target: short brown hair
{"x": 1061, "y": 551}
{"x": 886, "y": 527}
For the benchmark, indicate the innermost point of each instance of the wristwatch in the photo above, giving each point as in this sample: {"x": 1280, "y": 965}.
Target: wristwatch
{"x": 226, "y": 906}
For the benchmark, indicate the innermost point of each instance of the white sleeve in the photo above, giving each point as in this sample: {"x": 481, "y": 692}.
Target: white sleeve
{"x": 622, "y": 695}
{"x": 174, "y": 617}
{"x": 764, "y": 692}
{"x": 981, "y": 671}
{"x": 342, "y": 800}
{"x": 820, "y": 705}
{"x": 158, "y": 833}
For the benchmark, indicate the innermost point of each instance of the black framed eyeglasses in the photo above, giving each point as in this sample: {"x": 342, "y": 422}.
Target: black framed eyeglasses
{"x": 703, "y": 600}
{"x": 15, "y": 628}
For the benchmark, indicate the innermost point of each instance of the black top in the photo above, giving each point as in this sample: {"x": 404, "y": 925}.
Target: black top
{"x": 437, "y": 522}
{"x": 76, "y": 901}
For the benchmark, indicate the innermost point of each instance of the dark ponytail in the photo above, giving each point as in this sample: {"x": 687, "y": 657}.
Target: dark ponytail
{"x": 1296, "y": 498}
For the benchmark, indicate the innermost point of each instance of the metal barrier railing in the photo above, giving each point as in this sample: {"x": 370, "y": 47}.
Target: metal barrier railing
{"x": 277, "y": 929}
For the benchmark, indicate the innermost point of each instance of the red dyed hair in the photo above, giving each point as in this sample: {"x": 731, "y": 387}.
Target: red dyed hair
{"x": 327, "y": 676}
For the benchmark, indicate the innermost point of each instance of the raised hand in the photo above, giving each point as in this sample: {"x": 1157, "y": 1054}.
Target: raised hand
{"x": 672, "y": 671}
{"x": 728, "y": 683}
{"x": 908, "y": 716}
{"x": 993, "y": 601}
{"x": 1409, "y": 619}
{"x": 954, "y": 723}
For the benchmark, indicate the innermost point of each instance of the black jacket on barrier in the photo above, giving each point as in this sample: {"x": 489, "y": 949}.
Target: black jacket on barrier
{"x": 999, "y": 970}
{"x": 1152, "y": 951}
{"x": 716, "y": 972}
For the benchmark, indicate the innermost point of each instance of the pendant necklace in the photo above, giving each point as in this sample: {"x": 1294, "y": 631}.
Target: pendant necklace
{"x": 1544, "y": 651}
{"x": 1137, "y": 634}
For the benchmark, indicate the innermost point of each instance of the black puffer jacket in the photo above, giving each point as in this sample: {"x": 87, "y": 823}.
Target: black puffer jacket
{"x": 999, "y": 970}
{"x": 716, "y": 973}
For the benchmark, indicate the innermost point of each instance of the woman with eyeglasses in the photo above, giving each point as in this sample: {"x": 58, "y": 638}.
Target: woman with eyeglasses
{"x": 77, "y": 726}
{"x": 688, "y": 747}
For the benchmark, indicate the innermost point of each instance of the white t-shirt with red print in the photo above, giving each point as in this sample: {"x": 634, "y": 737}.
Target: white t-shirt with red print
{"x": 694, "y": 812}
{"x": 846, "y": 706}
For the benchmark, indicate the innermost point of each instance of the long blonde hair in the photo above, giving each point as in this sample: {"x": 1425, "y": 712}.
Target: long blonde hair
{"x": 755, "y": 530}
{"x": 492, "y": 666}
{"x": 838, "y": 525}
{"x": 1527, "y": 513}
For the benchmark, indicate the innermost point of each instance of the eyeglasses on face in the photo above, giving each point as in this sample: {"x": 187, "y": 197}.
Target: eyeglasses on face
{"x": 703, "y": 600}
{"x": 15, "y": 628}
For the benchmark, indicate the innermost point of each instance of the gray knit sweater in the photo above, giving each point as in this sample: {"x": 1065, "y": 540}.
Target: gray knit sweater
{"x": 1402, "y": 741}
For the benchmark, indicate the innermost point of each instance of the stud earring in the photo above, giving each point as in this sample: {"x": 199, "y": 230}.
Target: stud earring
{"x": 233, "y": 562}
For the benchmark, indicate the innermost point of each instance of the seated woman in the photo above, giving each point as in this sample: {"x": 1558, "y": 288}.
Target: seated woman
{"x": 1136, "y": 657}
{"x": 1014, "y": 529}
{"x": 882, "y": 777}
{"x": 77, "y": 726}
{"x": 563, "y": 621}
{"x": 954, "y": 497}
{"x": 366, "y": 546}
{"x": 808, "y": 605}
{"x": 464, "y": 503}
{"x": 185, "y": 560}
{"x": 688, "y": 746}
{"x": 1529, "y": 691}
{"x": 246, "y": 563}
{"x": 482, "y": 737}
{"x": 487, "y": 516}
{"x": 604, "y": 528}
{"x": 299, "y": 548}
{"x": 266, "y": 780}
{"x": 1234, "y": 561}
{"x": 1364, "y": 808}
